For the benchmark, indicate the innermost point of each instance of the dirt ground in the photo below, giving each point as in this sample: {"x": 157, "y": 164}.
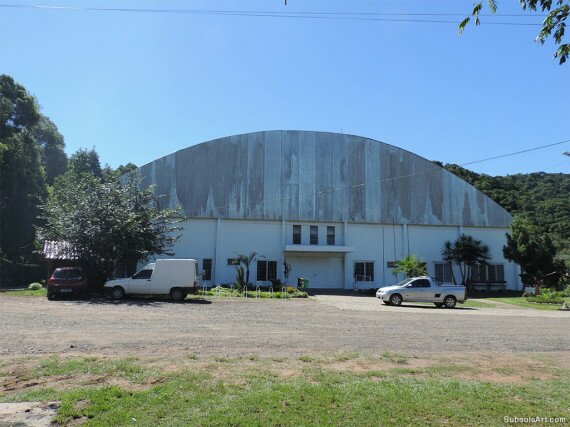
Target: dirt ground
{"x": 323, "y": 324}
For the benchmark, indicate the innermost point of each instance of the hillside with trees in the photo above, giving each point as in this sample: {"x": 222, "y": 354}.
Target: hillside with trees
{"x": 542, "y": 198}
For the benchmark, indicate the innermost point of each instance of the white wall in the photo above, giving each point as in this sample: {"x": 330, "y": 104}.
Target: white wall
{"x": 380, "y": 243}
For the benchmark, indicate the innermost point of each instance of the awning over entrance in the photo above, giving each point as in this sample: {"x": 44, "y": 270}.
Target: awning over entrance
{"x": 319, "y": 249}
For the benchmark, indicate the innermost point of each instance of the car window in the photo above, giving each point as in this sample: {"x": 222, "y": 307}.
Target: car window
{"x": 68, "y": 273}
{"x": 423, "y": 283}
{"x": 143, "y": 274}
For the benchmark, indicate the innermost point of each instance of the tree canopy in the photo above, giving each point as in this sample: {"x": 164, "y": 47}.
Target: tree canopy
{"x": 111, "y": 221}
{"x": 542, "y": 198}
{"x": 553, "y": 25}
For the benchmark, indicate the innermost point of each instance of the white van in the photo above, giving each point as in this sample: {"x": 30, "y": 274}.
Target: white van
{"x": 174, "y": 277}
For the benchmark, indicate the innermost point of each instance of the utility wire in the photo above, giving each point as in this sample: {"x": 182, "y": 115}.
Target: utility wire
{"x": 350, "y": 16}
{"x": 347, "y": 187}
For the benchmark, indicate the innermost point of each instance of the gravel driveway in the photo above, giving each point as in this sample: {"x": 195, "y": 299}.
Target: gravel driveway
{"x": 270, "y": 327}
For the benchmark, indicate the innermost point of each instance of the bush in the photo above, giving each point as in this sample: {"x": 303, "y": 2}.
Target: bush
{"x": 19, "y": 275}
{"x": 35, "y": 286}
{"x": 547, "y": 296}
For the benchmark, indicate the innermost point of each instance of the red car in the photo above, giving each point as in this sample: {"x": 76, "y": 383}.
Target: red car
{"x": 67, "y": 281}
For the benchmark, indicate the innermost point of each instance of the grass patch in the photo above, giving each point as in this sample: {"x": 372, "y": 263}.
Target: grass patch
{"x": 477, "y": 304}
{"x": 27, "y": 293}
{"x": 522, "y": 302}
{"x": 343, "y": 357}
{"x": 254, "y": 394}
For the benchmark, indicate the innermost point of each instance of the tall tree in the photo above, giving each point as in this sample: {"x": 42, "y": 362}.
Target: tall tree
{"x": 534, "y": 252}
{"x": 553, "y": 26}
{"x": 52, "y": 145}
{"x": 22, "y": 179}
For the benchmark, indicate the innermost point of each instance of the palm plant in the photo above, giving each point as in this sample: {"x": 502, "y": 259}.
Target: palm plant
{"x": 410, "y": 266}
{"x": 466, "y": 252}
{"x": 245, "y": 261}
{"x": 448, "y": 256}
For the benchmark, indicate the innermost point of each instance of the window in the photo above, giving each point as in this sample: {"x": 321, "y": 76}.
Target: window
{"x": 233, "y": 261}
{"x": 143, "y": 274}
{"x": 364, "y": 271}
{"x": 420, "y": 283}
{"x": 443, "y": 272}
{"x": 296, "y": 234}
{"x": 314, "y": 235}
{"x": 266, "y": 270}
{"x": 331, "y": 235}
{"x": 488, "y": 273}
{"x": 390, "y": 264}
{"x": 207, "y": 268}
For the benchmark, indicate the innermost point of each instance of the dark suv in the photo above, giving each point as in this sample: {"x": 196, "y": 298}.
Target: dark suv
{"x": 67, "y": 281}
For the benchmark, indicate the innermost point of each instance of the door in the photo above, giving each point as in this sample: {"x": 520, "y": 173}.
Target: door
{"x": 139, "y": 284}
{"x": 322, "y": 272}
{"x": 415, "y": 291}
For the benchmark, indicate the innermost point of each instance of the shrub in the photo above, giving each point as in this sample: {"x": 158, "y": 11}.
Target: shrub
{"x": 35, "y": 286}
{"x": 547, "y": 296}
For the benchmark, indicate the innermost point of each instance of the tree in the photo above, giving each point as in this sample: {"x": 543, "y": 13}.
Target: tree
{"x": 554, "y": 24}
{"x": 466, "y": 252}
{"x": 534, "y": 252}
{"x": 22, "y": 178}
{"x": 51, "y": 144}
{"x": 85, "y": 161}
{"x": 448, "y": 256}
{"x": 245, "y": 261}
{"x": 410, "y": 266}
{"x": 109, "y": 221}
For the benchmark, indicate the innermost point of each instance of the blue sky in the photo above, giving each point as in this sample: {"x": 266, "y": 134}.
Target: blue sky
{"x": 138, "y": 86}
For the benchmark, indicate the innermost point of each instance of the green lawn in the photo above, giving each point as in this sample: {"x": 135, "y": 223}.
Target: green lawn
{"x": 522, "y": 302}
{"x": 341, "y": 389}
{"x": 27, "y": 293}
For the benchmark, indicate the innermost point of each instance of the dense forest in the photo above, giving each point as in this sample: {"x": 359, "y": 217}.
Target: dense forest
{"x": 544, "y": 198}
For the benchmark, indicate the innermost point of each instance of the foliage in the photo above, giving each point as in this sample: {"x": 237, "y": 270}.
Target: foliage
{"x": 109, "y": 220}
{"x": 546, "y": 296}
{"x": 543, "y": 198}
{"x": 30, "y": 147}
{"x": 263, "y": 293}
{"x": 239, "y": 277}
{"x": 16, "y": 274}
{"x": 245, "y": 261}
{"x": 447, "y": 255}
{"x": 410, "y": 266}
{"x": 535, "y": 253}
{"x": 35, "y": 286}
{"x": 51, "y": 144}
{"x": 466, "y": 252}
{"x": 553, "y": 26}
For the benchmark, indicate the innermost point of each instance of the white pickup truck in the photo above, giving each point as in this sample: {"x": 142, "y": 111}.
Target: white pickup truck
{"x": 422, "y": 289}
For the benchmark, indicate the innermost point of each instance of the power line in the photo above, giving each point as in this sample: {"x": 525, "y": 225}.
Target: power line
{"x": 343, "y": 16}
{"x": 364, "y": 184}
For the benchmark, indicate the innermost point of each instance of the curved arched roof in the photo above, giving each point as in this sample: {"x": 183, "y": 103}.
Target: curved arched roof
{"x": 316, "y": 176}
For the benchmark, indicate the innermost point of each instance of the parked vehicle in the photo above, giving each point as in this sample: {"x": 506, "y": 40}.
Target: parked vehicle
{"x": 69, "y": 281}
{"x": 422, "y": 289}
{"x": 174, "y": 277}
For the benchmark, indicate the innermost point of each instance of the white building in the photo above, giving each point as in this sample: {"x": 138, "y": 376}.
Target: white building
{"x": 333, "y": 206}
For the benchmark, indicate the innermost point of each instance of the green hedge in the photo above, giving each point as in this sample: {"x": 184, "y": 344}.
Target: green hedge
{"x": 18, "y": 275}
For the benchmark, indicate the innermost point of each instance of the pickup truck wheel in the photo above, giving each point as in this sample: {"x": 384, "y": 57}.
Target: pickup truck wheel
{"x": 449, "y": 301}
{"x": 118, "y": 293}
{"x": 176, "y": 295}
{"x": 438, "y": 304}
{"x": 396, "y": 299}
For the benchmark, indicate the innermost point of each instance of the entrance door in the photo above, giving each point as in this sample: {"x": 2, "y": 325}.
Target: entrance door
{"x": 324, "y": 273}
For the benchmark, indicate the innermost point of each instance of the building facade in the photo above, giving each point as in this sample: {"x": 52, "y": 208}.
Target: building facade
{"x": 339, "y": 209}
